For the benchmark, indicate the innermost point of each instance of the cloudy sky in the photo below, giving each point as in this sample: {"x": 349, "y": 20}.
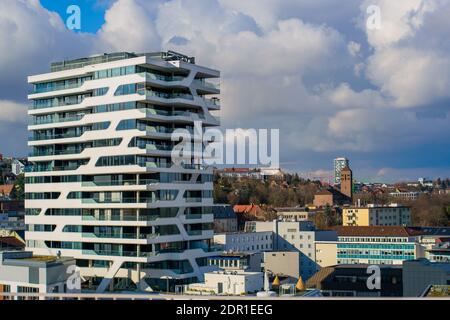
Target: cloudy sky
{"x": 379, "y": 95}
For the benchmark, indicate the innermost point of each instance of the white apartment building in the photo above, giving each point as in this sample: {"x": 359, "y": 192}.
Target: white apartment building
{"x": 294, "y": 214}
{"x": 228, "y": 283}
{"x": 245, "y": 241}
{"x": 410, "y": 195}
{"x": 299, "y": 236}
{"x": 103, "y": 188}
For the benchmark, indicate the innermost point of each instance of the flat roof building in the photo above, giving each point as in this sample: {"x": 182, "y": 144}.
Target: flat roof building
{"x": 21, "y": 272}
{"x": 377, "y": 215}
{"x": 245, "y": 241}
{"x": 299, "y": 236}
{"x": 294, "y": 214}
{"x": 237, "y": 261}
{"x": 351, "y": 281}
{"x": 377, "y": 245}
{"x": 440, "y": 252}
{"x": 228, "y": 283}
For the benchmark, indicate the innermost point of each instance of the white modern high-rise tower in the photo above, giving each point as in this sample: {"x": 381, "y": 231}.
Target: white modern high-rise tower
{"x": 339, "y": 164}
{"x": 103, "y": 188}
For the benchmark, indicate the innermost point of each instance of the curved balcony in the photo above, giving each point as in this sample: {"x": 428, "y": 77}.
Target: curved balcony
{"x": 136, "y": 236}
{"x": 55, "y": 102}
{"x": 55, "y": 152}
{"x": 131, "y": 254}
{"x": 118, "y": 183}
{"x": 56, "y": 88}
{"x": 54, "y": 168}
{"x": 57, "y": 119}
{"x": 122, "y": 218}
{"x": 55, "y": 136}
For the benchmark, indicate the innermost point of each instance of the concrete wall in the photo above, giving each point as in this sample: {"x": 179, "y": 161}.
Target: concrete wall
{"x": 235, "y": 284}
{"x": 326, "y": 254}
{"x": 225, "y": 225}
{"x": 283, "y": 263}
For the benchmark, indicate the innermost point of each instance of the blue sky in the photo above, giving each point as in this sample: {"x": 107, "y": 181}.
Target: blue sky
{"x": 92, "y": 12}
{"x": 332, "y": 84}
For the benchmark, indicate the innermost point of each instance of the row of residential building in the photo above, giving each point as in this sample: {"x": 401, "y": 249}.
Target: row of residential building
{"x": 344, "y": 245}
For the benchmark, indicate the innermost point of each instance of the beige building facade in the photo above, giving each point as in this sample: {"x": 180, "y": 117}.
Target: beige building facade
{"x": 282, "y": 263}
{"x": 392, "y": 215}
{"x": 326, "y": 253}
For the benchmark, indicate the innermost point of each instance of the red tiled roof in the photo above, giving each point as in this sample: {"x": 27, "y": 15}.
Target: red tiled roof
{"x": 242, "y": 208}
{"x": 443, "y": 239}
{"x": 6, "y": 189}
{"x": 250, "y": 208}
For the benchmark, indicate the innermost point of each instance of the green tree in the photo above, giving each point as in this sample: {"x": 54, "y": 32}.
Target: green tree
{"x": 19, "y": 188}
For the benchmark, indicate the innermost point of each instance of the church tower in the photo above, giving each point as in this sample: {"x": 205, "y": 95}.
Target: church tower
{"x": 347, "y": 182}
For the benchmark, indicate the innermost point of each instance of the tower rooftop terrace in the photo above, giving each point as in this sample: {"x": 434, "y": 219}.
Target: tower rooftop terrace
{"x": 109, "y": 57}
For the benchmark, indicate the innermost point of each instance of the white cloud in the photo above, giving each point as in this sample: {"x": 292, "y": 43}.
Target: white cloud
{"x": 292, "y": 48}
{"x": 410, "y": 67}
{"x": 399, "y": 20}
{"x": 283, "y": 64}
{"x": 413, "y": 77}
{"x": 354, "y": 48}
{"x": 128, "y": 28}
{"x": 11, "y": 111}
{"x": 345, "y": 97}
